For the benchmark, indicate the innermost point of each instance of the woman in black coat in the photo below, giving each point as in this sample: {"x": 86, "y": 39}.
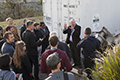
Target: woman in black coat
{"x": 21, "y": 61}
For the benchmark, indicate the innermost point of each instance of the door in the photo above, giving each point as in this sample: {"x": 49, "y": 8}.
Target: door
{"x": 70, "y": 9}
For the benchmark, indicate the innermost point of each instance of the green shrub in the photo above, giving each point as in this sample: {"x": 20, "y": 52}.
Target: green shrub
{"x": 109, "y": 68}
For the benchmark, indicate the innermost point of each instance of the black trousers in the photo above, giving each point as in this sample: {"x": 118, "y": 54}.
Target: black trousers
{"x": 89, "y": 63}
{"x": 44, "y": 46}
{"x": 75, "y": 54}
{"x": 26, "y": 77}
{"x": 34, "y": 61}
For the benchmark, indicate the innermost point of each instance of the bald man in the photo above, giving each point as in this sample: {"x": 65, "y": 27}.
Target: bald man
{"x": 73, "y": 37}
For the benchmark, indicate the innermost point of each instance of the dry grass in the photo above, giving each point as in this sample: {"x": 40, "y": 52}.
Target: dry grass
{"x": 19, "y": 22}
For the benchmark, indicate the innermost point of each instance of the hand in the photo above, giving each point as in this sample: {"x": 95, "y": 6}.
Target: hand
{"x": 71, "y": 28}
{"x": 17, "y": 75}
{"x": 44, "y": 36}
{"x": 41, "y": 39}
{"x": 65, "y": 26}
{"x": 84, "y": 36}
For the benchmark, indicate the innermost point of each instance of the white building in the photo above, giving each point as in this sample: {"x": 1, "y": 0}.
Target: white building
{"x": 92, "y": 13}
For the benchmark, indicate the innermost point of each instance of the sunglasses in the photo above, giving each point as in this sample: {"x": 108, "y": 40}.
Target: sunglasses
{"x": 43, "y": 25}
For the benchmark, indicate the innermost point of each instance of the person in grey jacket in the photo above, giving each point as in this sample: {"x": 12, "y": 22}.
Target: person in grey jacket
{"x": 54, "y": 63}
{"x": 5, "y": 72}
{"x": 7, "y": 47}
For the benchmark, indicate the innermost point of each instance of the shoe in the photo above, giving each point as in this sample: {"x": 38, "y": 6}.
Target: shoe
{"x": 73, "y": 65}
{"x": 79, "y": 66}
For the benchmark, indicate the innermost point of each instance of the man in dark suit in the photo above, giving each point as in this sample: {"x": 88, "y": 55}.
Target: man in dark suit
{"x": 45, "y": 34}
{"x": 73, "y": 37}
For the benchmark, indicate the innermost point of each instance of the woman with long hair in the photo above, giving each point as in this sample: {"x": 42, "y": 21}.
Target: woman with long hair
{"x": 21, "y": 61}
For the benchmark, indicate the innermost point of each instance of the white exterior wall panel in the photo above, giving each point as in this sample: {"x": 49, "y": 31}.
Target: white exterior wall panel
{"x": 83, "y": 11}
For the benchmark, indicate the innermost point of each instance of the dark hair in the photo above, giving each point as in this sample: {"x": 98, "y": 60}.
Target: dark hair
{"x": 6, "y": 35}
{"x": 53, "y": 40}
{"x": 41, "y": 23}
{"x": 29, "y": 23}
{"x": 25, "y": 20}
{"x": 87, "y": 31}
{"x": 4, "y": 62}
{"x": 8, "y": 28}
{"x": 35, "y": 24}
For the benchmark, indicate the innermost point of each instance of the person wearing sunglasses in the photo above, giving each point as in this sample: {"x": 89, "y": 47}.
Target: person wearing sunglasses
{"x": 45, "y": 34}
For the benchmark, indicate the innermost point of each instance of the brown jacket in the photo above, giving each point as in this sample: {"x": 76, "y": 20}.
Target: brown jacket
{"x": 17, "y": 38}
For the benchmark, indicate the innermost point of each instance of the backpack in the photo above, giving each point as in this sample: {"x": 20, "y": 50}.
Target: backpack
{"x": 65, "y": 76}
{"x": 2, "y": 41}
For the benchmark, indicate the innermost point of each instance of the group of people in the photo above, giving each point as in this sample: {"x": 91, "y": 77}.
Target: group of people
{"x": 85, "y": 46}
{"x": 25, "y": 51}
{"x": 36, "y": 42}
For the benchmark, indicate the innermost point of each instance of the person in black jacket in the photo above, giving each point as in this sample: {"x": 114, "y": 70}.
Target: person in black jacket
{"x": 37, "y": 31}
{"x": 89, "y": 45}
{"x": 38, "y": 35}
{"x": 31, "y": 47}
{"x": 23, "y": 28}
{"x": 73, "y": 37}
{"x": 45, "y": 34}
{"x": 21, "y": 61}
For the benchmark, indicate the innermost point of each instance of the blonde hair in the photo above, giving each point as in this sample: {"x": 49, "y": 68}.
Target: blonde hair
{"x": 19, "y": 52}
{"x": 53, "y": 33}
{"x": 9, "y": 18}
